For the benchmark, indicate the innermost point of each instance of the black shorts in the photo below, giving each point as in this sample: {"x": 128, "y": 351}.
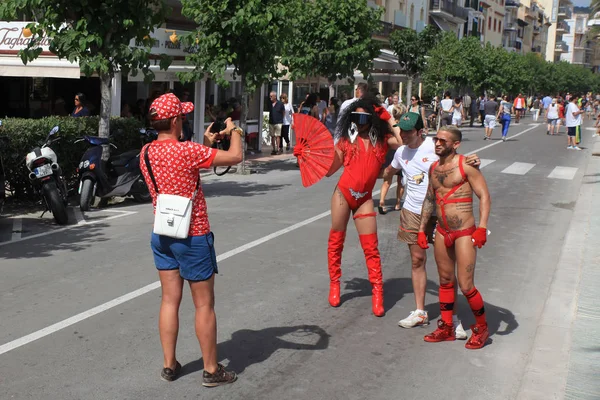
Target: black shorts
{"x": 572, "y": 131}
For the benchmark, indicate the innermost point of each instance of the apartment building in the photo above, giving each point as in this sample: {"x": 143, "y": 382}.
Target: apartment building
{"x": 449, "y": 15}
{"x": 579, "y": 47}
{"x": 560, "y": 10}
{"x": 541, "y": 24}
{"x": 493, "y": 21}
{"x": 410, "y": 14}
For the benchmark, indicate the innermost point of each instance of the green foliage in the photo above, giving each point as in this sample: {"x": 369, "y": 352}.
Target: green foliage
{"x": 412, "y": 48}
{"x": 462, "y": 64}
{"x": 25, "y": 134}
{"x": 96, "y": 34}
{"x": 332, "y": 39}
{"x": 245, "y": 34}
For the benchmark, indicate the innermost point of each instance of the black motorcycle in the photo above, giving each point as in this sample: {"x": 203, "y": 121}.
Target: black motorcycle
{"x": 119, "y": 176}
{"x": 46, "y": 176}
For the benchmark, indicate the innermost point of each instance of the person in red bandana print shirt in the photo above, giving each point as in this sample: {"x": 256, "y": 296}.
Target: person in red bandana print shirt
{"x": 176, "y": 168}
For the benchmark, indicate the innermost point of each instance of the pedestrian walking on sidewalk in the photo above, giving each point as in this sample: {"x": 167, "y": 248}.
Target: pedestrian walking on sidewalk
{"x": 276, "y": 113}
{"x": 171, "y": 167}
{"x": 287, "y": 122}
{"x": 490, "y": 118}
{"x": 504, "y": 116}
{"x": 573, "y": 122}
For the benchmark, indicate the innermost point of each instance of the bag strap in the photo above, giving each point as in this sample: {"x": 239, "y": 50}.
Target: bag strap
{"x": 149, "y": 168}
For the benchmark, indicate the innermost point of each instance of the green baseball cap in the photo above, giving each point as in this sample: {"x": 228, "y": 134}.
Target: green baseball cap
{"x": 410, "y": 121}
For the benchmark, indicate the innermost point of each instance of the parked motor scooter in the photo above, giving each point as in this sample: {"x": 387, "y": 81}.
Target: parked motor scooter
{"x": 119, "y": 176}
{"x": 46, "y": 176}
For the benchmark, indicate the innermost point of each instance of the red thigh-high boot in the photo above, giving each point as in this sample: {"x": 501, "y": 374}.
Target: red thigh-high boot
{"x": 369, "y": 244}
{"x": 334, "y": 260}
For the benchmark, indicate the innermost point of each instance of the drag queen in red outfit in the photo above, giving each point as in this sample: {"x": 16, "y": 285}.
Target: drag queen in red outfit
{"x": 365, "y": 134}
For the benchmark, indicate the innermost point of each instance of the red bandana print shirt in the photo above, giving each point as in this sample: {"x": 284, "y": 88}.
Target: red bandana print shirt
{"x": 176, "y": 168}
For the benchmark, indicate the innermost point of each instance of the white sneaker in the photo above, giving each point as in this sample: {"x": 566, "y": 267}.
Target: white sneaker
{"x": 415, "y": 318}
{"x": 459, "y": 331}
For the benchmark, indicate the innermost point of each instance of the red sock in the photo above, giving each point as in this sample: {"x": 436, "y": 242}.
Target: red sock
{"x": 447, "y": 302}
{"x": 476, "y": 302}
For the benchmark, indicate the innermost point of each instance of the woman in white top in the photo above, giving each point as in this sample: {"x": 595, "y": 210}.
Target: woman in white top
{"x": 447, "y": 109}
{"x": 457, "y": 112}
{"x": 417, "y": 107}
{"x": 287, "y": 121}
{"x": 552, "y": 117}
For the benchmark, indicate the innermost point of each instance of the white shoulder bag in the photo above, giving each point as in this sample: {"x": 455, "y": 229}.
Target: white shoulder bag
{"x": 173, "y": 213}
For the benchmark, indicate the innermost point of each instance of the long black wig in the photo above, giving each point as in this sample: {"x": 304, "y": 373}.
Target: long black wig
{"x": 380, "y": 127}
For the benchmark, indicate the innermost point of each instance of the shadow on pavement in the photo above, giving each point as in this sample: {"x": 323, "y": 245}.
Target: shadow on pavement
{"x": 73, "y": 239}
{"x": 237, "y": 189}
{"x": 247, "y": 347}
{"x": 394, "y": 290}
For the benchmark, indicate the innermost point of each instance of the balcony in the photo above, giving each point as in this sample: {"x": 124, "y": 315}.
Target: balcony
{"x": 564, "y": 12}
{"x": 510, "y": 26}
{"x": 536, "y": 49}
{"x": 449, "y": 10}
{"x": 537, "y": 29}
{"x": 400, "y": 19}
{"x": 512, "y": 4}
{"x": 562, "y": 27}
{"x": 561, "y": 47}
{"x": 472, "y": 4}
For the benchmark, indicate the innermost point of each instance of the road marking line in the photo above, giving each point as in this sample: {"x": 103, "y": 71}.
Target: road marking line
{"x": 5, "y": 348}
{"x": 563, "y": 173}
{"x": 79, "y": 216}
{"x": 518, "y": 168}
{"x": 53, "y": 231}
{"x": 17, "y": 228}
{"x": 485, "y": 162}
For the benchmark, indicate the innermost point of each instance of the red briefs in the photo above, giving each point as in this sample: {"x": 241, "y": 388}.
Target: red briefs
{"x": 451, "y": 236}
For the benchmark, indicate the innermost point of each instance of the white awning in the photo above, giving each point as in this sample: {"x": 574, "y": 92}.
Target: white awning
{"x": 442, "y": 24}
{"x": 40, "y": 68}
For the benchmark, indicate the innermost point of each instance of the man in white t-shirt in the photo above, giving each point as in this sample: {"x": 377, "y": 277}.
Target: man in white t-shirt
{"x": 414, "y": 158}
{"x": 447, "y": 106}
{"x": 573, "y": 122}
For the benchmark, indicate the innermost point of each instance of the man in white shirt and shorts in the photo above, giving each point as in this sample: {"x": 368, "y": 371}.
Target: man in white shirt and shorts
{"x": 414, "y": 158}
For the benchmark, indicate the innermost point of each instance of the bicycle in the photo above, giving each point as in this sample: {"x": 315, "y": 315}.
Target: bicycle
{"x": 221, "y": 144}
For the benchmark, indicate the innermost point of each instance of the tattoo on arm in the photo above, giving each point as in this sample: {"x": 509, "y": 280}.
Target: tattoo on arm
{"x": 428, "y": 206}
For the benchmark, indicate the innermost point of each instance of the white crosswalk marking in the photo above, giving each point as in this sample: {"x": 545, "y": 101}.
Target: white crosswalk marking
{"x": 518, "y": 168}
{"x": 563, "y": 173}
{"x": 485, "y": 162}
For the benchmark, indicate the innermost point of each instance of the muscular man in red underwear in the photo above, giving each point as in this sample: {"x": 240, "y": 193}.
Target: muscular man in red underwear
{"x": 451, "y": 186}
{"x": 363, "y": 139}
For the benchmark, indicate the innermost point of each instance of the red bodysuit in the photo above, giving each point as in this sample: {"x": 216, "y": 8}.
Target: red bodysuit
{"x": 451, "y": 236}
{"x": 361, "y": 170}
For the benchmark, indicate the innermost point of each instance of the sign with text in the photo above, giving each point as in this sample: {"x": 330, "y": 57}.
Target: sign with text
{"x": 13, "y": 40}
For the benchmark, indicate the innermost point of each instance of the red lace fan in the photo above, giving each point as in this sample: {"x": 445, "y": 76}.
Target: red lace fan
{"x": 314, "y": 148}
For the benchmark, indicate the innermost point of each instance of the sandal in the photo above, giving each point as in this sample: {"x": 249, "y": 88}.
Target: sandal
{"x": 382, "y": 210}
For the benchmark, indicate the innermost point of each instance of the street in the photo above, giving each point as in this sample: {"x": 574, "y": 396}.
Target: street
{"x": 275, "y": 327}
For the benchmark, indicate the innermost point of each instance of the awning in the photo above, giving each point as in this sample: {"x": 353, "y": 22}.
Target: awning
{"x": 40, "y": 68}
{"x": 442, "y": 24}
{"x": 521, "y": 22}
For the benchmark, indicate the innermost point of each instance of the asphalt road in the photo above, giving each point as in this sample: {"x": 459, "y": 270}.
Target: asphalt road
{"x": 276, "y": 328}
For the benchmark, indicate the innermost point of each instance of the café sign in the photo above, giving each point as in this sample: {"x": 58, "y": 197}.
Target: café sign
{"x": 12, "y": 39}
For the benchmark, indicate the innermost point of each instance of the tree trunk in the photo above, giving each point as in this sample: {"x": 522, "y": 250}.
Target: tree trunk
{"x": 409, "y": 84}
{"x": 331, "y": 90}
{"x": 243, "y": 125}
{"x": 104, "y": 122}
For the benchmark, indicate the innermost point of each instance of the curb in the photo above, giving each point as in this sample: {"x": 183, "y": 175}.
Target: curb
{"x": 545, "y": 376}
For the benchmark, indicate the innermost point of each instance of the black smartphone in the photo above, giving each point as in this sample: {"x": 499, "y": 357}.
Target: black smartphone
{"x": 218, "y": 126}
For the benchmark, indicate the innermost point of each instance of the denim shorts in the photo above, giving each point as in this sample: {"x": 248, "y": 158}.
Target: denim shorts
{"x": 194, "y": 257}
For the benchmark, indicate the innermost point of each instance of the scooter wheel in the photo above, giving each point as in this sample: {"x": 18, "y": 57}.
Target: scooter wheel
{"x": 86, "y": 197}
{"x": 142, "y": 197}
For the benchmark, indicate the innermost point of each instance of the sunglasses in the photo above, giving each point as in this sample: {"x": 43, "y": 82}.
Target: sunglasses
{"x": 360, "y": 118}
{"x": 76, "y": 98}
{"x": 442, "y": 141}
{"x": 413, "y": 99}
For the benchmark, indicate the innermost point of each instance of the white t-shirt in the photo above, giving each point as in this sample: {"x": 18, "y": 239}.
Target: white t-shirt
{"x": 321, "y": 105}
{"x": 415, "y": 164}
{"x": 287, "y": 114}
{"x": 447, "y": 104}
{"x": 571, "y": 119}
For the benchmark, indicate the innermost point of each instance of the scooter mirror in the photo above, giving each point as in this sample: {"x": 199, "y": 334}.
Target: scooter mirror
{"x": 142, "y": 131}
{"x": 54, "y": 131}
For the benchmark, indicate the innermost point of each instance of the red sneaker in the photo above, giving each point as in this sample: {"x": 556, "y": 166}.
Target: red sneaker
{"x": 443, "y": 333}
{"x": 479, "y": 337}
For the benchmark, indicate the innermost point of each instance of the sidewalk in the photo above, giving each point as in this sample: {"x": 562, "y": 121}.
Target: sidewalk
{"x": 264, "y": 157}
{"x": 565, "y": 356}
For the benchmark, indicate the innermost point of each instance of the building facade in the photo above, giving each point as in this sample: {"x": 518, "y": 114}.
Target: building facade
{"x": 580, "y": 48}
{"x": 493, "y": 21}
